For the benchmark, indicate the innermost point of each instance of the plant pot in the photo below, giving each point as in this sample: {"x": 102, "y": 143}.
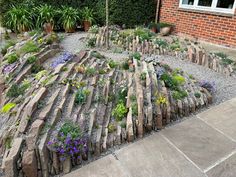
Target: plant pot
{"x": 87, "y": 25}
{"x": 165, "y": 31}
{"x": 69, "y": 30}
{"x": 48, "y": 27}
{"x": 154, "y": 29}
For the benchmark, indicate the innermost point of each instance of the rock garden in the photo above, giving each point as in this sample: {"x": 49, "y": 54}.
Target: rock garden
{"x": 66, "y": 100}
{"x": 60, "y": 109}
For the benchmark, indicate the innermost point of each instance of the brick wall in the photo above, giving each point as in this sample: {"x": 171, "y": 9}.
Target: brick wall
{"x": 219, "y": 29}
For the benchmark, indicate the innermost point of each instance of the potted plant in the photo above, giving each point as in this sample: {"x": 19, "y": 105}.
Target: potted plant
{"x": 46, "y": 17}
{"x": 19, "y": 19}
{"x": 69, "y": 17}
{"x": 153, "y": 27}
{"x": 165, "y": 28}
{"x": 87, "y": 17}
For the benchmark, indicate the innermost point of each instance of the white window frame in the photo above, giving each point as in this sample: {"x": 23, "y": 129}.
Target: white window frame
{"x": 213, "y": 7}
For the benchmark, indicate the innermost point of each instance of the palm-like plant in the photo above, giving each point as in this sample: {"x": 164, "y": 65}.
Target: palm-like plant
{"x": 69, "y": 17}
{"x": 19, "y": 19}
{"x": 87, "y": 14}
{"x": 46, "y": 15}
{"x": 87, "y": 17}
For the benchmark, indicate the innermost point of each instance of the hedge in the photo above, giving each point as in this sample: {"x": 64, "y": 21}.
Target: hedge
{"x": 128, "y": 12}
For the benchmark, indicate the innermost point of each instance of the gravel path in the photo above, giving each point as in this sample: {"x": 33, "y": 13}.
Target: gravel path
{"x": 74, "y": 42}
{"x": 226, "y": 86}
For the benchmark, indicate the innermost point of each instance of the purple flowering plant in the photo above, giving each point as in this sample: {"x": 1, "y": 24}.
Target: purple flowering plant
{"x": 9, "y": 68}
{"x": 69, "y": 142}
{"x": 210, "y": 86}
{"x": 63, "y": 58}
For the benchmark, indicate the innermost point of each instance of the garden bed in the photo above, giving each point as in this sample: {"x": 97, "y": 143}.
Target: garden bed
{"x": 80, "y": 106}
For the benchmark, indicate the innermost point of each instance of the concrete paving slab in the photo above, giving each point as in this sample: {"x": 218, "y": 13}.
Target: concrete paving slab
{"x": 155, "y": 157}
{"x": 223, "y": 118}
{"x": 105, "y": 167}
{"x": 202, "y": 144}
{"x": 225, "y": 169}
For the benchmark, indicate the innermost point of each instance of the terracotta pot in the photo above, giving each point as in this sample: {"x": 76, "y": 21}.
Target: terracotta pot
{"x": 165, "y": 31}
{"x": 154, "y": 29}
{"x": 87, "y": 25}
{"x": 48, "y": 27}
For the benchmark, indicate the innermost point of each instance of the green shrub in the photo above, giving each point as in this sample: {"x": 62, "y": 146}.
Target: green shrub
{"x": 7, "y": 107}
{"x": 71, "y": 129}
{"x": 125, "y": 65}
{"x": 29, "y": 47}
{"x": 80, "y": 97}
{"x": 90, "y": 71}
{"x": 15, "y": 90}
{"x": 119, "y": 112}
{"x": 161, "y": 43}
{"x": 46, "y": 14}
{"x": 179, "y": 95}
{"x": 169, "y": 81}
{"x": 36, "y": 68}
{"x": 136, "y": 55}
{"x": 143, "y": 33}
{"x": 31, "y": 59}
{"x": 87, "y": 14}
{"x": 19, "y": 19}
{"x": 12, "y": 58}
{"x": 41, "y": 74}
{"x": 180, "y": 80}
{"x": 112, "y": 64}
{"x": 91, "y": 42}
{"x": 69, "y": 17}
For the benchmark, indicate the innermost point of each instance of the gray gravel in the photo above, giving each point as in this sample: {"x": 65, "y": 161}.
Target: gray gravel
{"x": 74, "y": 42}
{"x": 226, "y": 86}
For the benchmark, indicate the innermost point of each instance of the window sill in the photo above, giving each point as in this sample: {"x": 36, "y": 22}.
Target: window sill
{"x": 225, "y": 14}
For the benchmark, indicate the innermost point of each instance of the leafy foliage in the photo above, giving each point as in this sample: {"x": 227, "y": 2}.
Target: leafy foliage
{"x": 119, "y": 111}
{"x": 179, "y": 95}
{"x": 12, "y": 58}
{"x": 29, "y": 47}
{"x": 7, "y": 107}
{"x": 69, "y": 17}
{"x": 136, "y": 55}
{"x": 19, "y": 18}
{"x": 31, "y": 59}
{"x": 80, "y": 97}
{"x": 87, "y": 14}
{"x": 15, "y": 90}
{"x": 46, "y": 14}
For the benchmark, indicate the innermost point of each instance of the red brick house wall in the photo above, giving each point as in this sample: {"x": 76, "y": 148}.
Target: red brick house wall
{"x": 211, "y": 27}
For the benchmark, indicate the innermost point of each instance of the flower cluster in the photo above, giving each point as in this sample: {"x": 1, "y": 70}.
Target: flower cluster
{"x": 63, "y": 58}
{"x": 69, "y": 143}
{"x": 210, "y": 86}
{"x": 9, "y": 68}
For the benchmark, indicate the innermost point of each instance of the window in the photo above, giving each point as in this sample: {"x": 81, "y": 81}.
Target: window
{"x": 206, "y": 3}
{"x": 222, "y": 6}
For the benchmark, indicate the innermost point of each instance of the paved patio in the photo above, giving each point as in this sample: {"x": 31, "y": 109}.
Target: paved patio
{"x": 202, "y": 146}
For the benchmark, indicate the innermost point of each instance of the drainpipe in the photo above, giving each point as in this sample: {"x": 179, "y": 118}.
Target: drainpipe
{"x": 157, "y": 19}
